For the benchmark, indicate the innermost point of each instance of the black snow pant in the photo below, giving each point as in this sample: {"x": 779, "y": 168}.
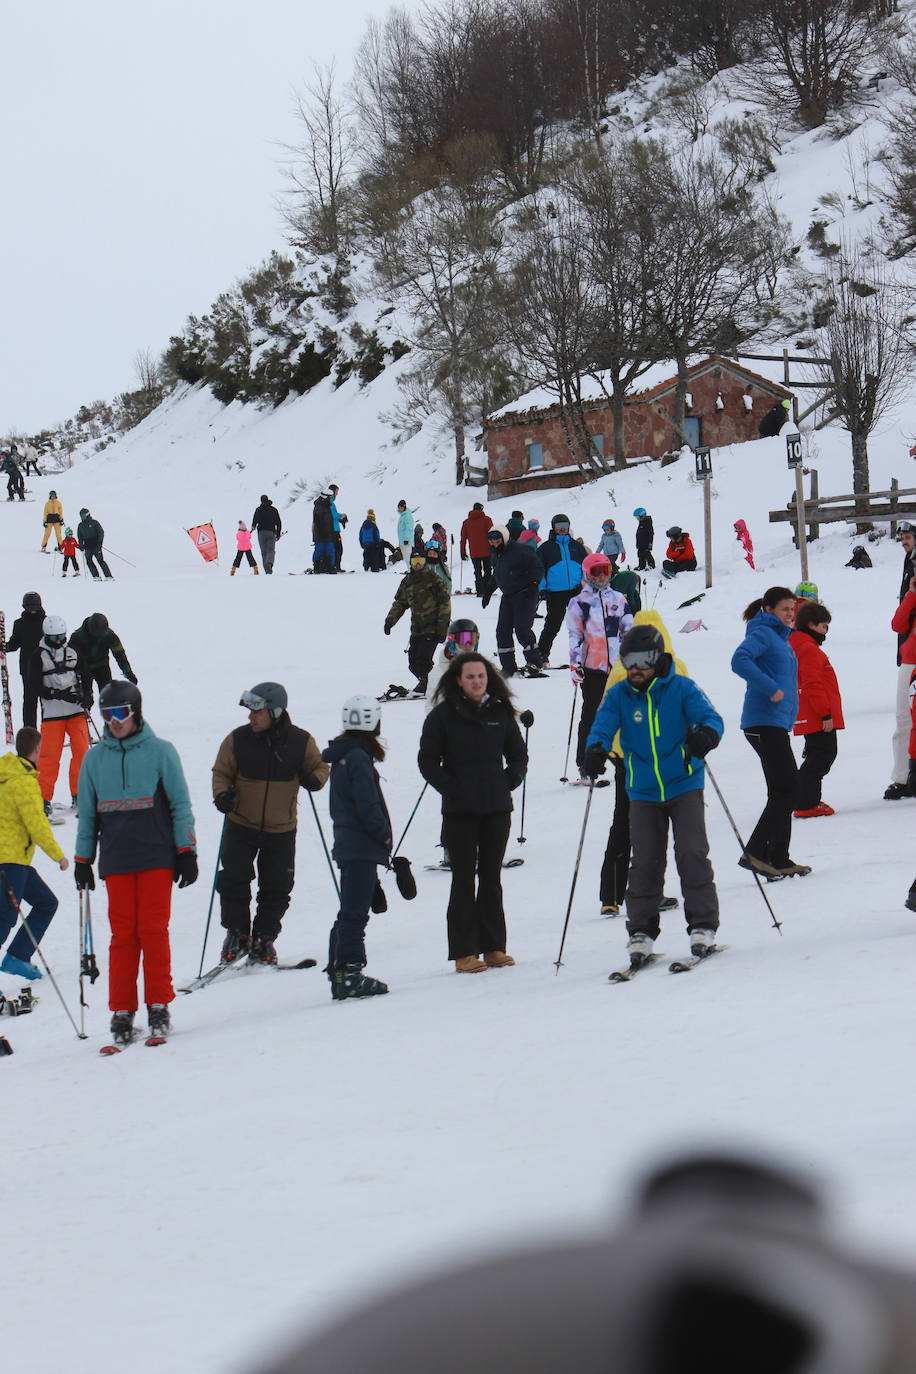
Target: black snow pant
{"x": 29, "y": 701}
{"x": 773, "y": 832}
{"x": 556, "y": 614}
{"x": 818, "y": 758}
{"x": 649, "y": 836}
{"x": 476, "y": 845}
{"x": 92, "y": 552}
{"x": 645, "y": 559}
{"x": 616, "y": 864}
{"x": 338, "y": 551}
{"x": 592, "y": 689}
{"x": 267, "y": 542}
{"x": 244, "y": 553}
{"x": 347, "y": 944}
{"x": 481, "y": 574}
{"x": 275, "y": 855}
{"x": 71, "y": 558}
{"x": 671, "y": 569}
{"x": 516, "y": 615}
{"x": 421, "y": 650}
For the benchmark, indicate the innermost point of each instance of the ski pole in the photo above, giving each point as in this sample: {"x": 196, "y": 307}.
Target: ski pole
{"x": 744, "y": 852}
{"x": 572, "y": 890}
{"x": 11, "y": 898}
{"x": 324, "y": 846}
{"x": 219, "y": 854}
{"x": 527, "y": 719}
{"x": 123, "y": 560}
{"x": 572, "y": 716}
{"x": 451, "y": 555}
{"x": 88, "y": 967}
{"x": 407, "y": 826}
{"x": 93, "y": 726}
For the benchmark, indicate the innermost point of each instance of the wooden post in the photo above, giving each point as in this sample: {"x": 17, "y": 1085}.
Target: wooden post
{"x": 800, "y": 522}
{"x": 707, "y": 526}
{"x": 815, "y": 529}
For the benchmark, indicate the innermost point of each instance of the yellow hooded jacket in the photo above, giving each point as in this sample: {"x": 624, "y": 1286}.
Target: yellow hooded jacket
{"x": 23, "y": 822}
{"x": 618, "y": 671}
{"x": 53, "y": 513}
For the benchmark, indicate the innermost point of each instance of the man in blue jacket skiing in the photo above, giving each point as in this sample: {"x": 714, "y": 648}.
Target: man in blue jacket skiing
{"x": 667, "y": 726}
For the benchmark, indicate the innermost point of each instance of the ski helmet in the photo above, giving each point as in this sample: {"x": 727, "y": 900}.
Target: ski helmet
{"x": 54, "y": 630}
{"x": 361, "y": 713}
{"x": 31, "y": 601}
{"x": 806, "y": 591}
{"x": 559, "y": 521}
{"x": 639, "y": 512}
{"x": 52, "y": 495}
{"x": 596, "y": 565}
{"x": 675, "y": 532}
{"x": 608, "y": 525}
{"x": 463, "y": 637}
{"x": 265, "y": 696}
{"x": 121, "y": 693}
{"x": 97, "y": 625}
{"x": 641, "y": 647}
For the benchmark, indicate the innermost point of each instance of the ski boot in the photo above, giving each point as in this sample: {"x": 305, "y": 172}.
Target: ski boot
{"x": 19, "y": 968}
{"x": 910, "y": 902}
{"x": 348, "y": 980}
{"x": 235, "y": 947}
{"x": 667, "y": 904}
{"x": 610, "y": 909}
{"x": 160, "y": 1023}
{"x": 262, "y": 952}
{"x": 639, "y": 948}
{"x": 702, "y": 942}
{"x": 122, "y": 1027}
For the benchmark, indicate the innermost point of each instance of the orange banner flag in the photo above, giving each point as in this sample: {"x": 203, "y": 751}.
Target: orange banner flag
{"x": 204, "y": 537}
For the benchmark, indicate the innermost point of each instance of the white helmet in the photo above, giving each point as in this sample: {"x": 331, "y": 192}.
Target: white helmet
{"x": 54, "y": 629}
{"x": 361, "y": 713}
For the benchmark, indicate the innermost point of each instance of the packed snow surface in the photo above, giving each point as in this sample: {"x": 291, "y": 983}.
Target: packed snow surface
{"x": 281, "y": 1156}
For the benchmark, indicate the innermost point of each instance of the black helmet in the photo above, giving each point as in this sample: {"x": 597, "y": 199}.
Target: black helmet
{"x": 675, "y": 532}
{"x": 97, "y": 624}
{"x": 643, "y": 645}
{"x": 52, "y": 495}
{"x": 559, "y": 520}
{"x": 270, "y": 696}
{"x": 122, "y": 693}
{"x": 462, "y": 635}
{"x": 32, "y": 601}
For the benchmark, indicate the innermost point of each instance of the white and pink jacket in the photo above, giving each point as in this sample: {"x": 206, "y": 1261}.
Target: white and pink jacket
{"x": 596, "y": 622}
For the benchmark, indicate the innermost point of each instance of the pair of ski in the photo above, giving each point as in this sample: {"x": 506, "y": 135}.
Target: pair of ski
{"x": 5, "y": 682}
{"x": 205, "y": 979}
{"x": 626, "y": 975}
{"x": 151, "y": 1040}
{"x": 447, "y": 868}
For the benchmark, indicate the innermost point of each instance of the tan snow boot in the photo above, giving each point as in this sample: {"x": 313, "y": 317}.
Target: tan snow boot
{"x": 470, "y": 964}
{"x": 256, "y": 569}
{"x": 232, "y": 572}
{"x": 498, "y": 958}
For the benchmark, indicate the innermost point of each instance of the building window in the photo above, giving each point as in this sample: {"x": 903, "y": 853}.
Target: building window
{"x": 535, "y": 456}
{"x": 598, "y": 445}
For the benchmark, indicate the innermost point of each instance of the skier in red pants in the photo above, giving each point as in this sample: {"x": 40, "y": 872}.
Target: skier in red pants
{"x": 133, "y": 802}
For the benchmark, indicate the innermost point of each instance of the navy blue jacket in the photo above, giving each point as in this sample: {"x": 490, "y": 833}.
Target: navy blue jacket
{"x": 362, "y": 826}
{"x": 767, "y": 662}
{"x": 516, "y": 568}
{"x": 561, "y": 562}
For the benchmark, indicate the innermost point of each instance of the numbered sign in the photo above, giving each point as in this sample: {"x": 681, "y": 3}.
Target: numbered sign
{"x": 794, "y": 450}
{"x": 703, "y": 460}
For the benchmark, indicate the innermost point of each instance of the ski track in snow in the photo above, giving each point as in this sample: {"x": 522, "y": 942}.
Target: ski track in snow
{"x": 282, "y": 1154}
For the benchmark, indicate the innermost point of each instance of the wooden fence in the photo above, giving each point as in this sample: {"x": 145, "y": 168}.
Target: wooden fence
{"x": 899, "y": 503}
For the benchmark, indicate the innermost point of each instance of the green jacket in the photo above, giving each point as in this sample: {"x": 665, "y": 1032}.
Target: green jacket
{"x": 425, "y": 595}
{"x": 93, "y": 653}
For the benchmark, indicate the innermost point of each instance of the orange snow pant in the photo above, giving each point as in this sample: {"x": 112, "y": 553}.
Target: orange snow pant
{"x": 52, "y": 743}
{"x": 139, "y": 906}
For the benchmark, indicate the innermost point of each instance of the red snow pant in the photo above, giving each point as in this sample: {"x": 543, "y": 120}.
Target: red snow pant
{"x": 52, "y": 742}
{"x": 139, "y": 905}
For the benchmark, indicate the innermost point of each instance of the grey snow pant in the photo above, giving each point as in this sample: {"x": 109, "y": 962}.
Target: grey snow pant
{"x": 649, "y": 838}
{"x": 268, "y": 542}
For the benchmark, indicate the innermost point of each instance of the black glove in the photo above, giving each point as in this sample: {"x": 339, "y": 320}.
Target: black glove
{"x": 485, "y": 600}
{"x": 595, "y": 761}
{"x": 186, "y": 868}
{"x": 464, "y": 558}
{"x": 526, "y": 718}
{"x": 387, "y": 629}
{"x": 700, "y": 740}
{"x": 225, "y": 801}
{"x": 308, "y": 780}
{"x": 83, "y": 875}
{"x": 379, "y": 901}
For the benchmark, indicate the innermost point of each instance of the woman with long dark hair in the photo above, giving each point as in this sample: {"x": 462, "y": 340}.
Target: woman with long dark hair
{"x": 768, "y": 665}
{"x": 473, "y": 754}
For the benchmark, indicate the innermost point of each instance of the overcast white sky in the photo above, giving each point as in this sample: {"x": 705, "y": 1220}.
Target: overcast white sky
{"x": 139, "y": 171}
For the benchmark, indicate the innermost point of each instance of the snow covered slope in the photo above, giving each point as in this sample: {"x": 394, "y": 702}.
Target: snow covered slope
{"x": 281, "y": 1154}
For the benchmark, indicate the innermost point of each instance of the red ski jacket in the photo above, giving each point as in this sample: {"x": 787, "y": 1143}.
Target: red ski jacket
{"x": 904, "y": 623}
{"x": 818, "y": 690}
{"x": 474, "y": 534}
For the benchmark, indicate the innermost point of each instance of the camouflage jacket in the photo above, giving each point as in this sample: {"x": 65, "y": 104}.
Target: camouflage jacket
{"x": 427, "y": 598}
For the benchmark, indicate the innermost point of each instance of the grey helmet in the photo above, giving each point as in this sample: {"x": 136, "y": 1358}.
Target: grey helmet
{"x": 270, "y": 696}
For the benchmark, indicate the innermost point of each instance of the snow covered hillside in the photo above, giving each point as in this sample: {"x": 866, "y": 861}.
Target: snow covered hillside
{"x": 282, "y": 1154}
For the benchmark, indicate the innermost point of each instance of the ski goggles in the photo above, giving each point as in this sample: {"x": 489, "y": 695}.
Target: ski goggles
{"x": 252, "y": 702}
{"x": 640, "y": 658}
{"x": 120, "y": 713}
{"x": 465, "y": 639}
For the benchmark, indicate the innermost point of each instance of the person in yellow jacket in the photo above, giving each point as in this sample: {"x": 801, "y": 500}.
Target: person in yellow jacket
{"x": 23, "y": 824}
{"x": 616, "y": 864}
{"x": 53, "y": 519}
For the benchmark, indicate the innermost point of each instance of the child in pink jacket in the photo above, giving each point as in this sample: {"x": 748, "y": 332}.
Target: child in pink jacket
{"x": 243, "y": 544}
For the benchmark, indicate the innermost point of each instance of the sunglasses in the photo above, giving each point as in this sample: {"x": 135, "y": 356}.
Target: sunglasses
{"x": 646, "y": 659}
{"x": 121, "y": 713}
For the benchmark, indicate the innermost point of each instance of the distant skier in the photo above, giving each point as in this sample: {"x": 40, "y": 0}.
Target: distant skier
{"x": 52, "y": 519}
{"x": 362, "y": 841}
{"x": 424, "y": 594}
{"x": 370, "y": 541}
{"x": 516, "y": 573}
{"x": 93, "y": 642}
{"x": 268, "y": 526}
{"x": 69, "y": 547}
{"x": 820, "y": 708}
{"x": 596, "y": 619}
{"x": 680, "y": 557}
{"x": 134, "y": 806}
{"x": 611, "y": 543}
{"x": 339, "y": 522}
{"x": 561, "y": 564}
{"x": 23, "y": 825}
{"x": 437, "y": 559}
{"x": 26, "y": 637}
{"x": 15, "y": 483}
{"x": 645, "y": 538}
{"x": 775, "y": 418}
{"x": 91, "y": 536}
{"x": 474, "y": 531}
{"x": 243, "y": 550}
{"x": 405, "y": 532}
{"x": 30, "y": 459}
{"x": 324, "y": 550}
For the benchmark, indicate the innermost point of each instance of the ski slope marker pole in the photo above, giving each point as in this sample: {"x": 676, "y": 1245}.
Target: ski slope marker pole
{"x": 744, "y": 852}
{"x": 572, "y": 890}
{"x": 11, "y": 898}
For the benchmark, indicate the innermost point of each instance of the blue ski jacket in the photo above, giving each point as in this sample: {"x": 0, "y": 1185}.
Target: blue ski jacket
{"x": 561, "y": 556}
{"x": 767, "y": 662}
{"x": 653, "y": 728}
{"x": 362, "y": 827}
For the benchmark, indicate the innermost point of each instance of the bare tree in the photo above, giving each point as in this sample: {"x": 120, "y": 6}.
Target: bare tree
{"x": 146, "y": 369}
{"x": 819, "y": 46}
{"x": 870, "y": 359}
{"x": 316, "y": 198}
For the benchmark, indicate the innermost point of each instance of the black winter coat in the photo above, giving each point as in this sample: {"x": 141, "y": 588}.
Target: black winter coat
{"x": 645, "y": 534}
{"x": 517, "y": 567}
{"x": 322, "y": 521}
{"x": 362, "y": 826}
{"x": 27, "y": 632}
{"x": 90, "y": 534}
{"x": 474, "y": 756}
{"x": 267, "y": 517}
{"x": 773, "y": 421}
{"x": 93, "y": 652}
